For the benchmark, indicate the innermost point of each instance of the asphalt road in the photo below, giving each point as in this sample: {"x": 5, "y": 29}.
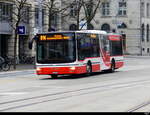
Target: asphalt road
{"x": 126, "y": 90}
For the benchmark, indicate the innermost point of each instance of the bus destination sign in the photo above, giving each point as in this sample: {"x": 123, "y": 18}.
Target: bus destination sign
{"x": 53, "y": 37}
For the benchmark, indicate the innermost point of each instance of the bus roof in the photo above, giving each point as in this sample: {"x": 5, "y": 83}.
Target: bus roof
{"x": 92, "y": 31}
{"x": 78, "y": 31}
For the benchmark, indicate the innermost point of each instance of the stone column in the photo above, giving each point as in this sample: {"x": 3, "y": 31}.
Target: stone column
{"x": 58, "y": 5}
{"x": 46, "y": 20}
{"x": 12, "y": 40}
{"x": 32, "y": 28}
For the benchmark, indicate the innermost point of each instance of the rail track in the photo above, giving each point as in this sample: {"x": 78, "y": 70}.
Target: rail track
{"x": 31, "y": 101}
{"x": 139, "y": 107}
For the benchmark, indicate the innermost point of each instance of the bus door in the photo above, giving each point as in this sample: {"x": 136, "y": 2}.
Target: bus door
{"x": 105, "y": 50}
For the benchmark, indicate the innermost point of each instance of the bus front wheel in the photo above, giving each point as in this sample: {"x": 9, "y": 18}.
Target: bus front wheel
{"x": 112, "y": 67}
{"x": 89, "y": 69}
{"x": 54, "y": 76}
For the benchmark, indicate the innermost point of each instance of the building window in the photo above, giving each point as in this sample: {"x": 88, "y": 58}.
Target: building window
{"x": 73, "y": 11}
{"x": 148, "y": 50}
{"x": 105, "y": 9}
{"x": 143, "y": 32}
{"x": 122, "y": 11}
{"x": 25, "y": 14}
{"x": 143, "y": 49}
{"x": 105, "y": 27}
{"x": 37, "y": 11}
{"x": 36, "y": 16}
{"x": 43, "y": 15}
{"x": 73, "y": 27}
{"x": 147, "y": 36}
{"x": 148, "y": 10}
{"x": 54, "y": 20}
{"x": 142, "y": 9}
{"x": 5, "y": 11}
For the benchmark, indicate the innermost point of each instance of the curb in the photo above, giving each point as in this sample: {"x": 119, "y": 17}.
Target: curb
{"x": 137, "y": 57}
{"x": 16, "y": 71}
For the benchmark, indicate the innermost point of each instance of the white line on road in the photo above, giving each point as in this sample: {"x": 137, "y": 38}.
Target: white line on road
{"x": 13, "y": 93}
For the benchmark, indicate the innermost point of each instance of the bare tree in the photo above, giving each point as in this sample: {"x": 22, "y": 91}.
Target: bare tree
{"x": 54, "y": 10}
{"x": 18, "y": 15}
{"x": 90, "y": 9}
{"x": 77, "y": 4}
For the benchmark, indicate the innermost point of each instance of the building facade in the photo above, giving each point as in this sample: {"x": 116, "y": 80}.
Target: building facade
{"x": 128, "y": 17}
{"x": 145, "y": 27}
{"x": 29, "y": 24}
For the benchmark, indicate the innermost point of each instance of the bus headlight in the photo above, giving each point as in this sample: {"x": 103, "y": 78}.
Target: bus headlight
{"x": 72, "y": 68}
{"x": 38, "y": 69}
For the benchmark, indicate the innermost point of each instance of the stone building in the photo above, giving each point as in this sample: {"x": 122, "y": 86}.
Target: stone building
{"x": 128, "y": 17}
{"x": 29, "y": 24}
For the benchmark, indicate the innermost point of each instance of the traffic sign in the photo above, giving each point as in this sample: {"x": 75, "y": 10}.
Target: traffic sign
{"x": 83, "y": 25}
{"x": 21, "y": 30}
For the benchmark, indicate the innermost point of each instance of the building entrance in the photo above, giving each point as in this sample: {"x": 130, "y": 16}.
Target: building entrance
{"x": 4, "y": 45}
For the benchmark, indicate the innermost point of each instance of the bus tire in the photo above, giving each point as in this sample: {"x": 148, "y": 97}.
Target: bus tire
{"x": 54, "y": 76}
{"x": 113, "y": 66}
{"x": 88, "y": 69}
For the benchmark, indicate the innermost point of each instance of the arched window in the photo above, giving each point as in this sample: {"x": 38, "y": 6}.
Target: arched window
{"x": 147, "y": 36}
{"x": 73, "y": 27}
{"x": 105, "y": 27}
{"x": 91, "y": 27}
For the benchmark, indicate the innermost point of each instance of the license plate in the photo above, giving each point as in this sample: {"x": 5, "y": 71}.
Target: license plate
{"x": 55, "y": 72}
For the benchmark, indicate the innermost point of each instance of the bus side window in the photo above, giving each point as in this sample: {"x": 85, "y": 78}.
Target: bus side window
{"x": 80, "y": 42}
{"x": 105, "y": 43}
{"x": 95, "y": 46}
{"x": 88, "y": 46}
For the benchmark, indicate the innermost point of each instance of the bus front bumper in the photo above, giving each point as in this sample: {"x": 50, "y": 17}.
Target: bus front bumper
{"x": 60, "y": 70}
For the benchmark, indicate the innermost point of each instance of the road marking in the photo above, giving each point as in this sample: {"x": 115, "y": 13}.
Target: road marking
{"x": 13, "y": 93}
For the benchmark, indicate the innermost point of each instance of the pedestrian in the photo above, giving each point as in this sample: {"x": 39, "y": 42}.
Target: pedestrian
{"x": 1, "y": 60}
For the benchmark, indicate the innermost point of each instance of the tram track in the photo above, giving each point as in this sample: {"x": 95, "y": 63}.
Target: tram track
{"x": 25, "y": 102}
{"x": 139, "y": 107}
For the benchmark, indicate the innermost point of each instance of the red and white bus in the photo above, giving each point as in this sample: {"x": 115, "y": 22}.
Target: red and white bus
{"x": 78, "y": 52}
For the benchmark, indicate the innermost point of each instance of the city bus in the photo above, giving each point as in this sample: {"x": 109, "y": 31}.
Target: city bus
{"x": 77, "y": 52}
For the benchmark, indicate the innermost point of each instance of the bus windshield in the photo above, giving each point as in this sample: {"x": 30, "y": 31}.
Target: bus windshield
{"x": 56, "y": 48}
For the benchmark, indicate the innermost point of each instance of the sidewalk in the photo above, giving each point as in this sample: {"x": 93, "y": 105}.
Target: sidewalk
{"x": 20, "y": 67}
{"x": 136, "y": 56}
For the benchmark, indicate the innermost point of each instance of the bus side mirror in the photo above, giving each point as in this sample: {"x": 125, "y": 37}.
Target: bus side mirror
{"x": 30, "y": 44}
